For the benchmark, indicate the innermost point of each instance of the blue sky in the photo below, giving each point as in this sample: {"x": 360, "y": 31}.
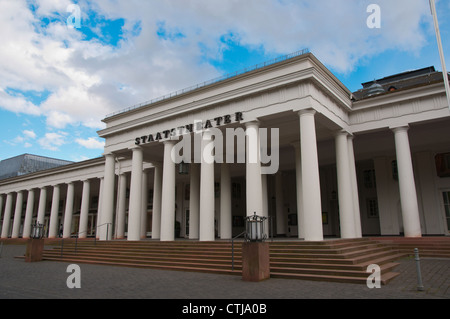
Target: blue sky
{"x": 58, "y": 82}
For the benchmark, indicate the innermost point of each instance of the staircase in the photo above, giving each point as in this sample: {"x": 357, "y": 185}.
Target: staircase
{"x": 437, "y": 247}
{"x": 208, "y": 257}
{"x": 344, "y": 260}
{"x": 330, "y": 260}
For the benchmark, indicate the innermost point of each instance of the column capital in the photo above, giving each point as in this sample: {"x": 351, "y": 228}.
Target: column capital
{"x": 157, "y": 164}
{"x": 252, "y": 123}
{"x": 401, "y": 128}
{"x": 135, "y": 148}
{"x": 309, "y": 111}
{"x": 170, "y": 141}
{"x": 341, "y": 132}
{"x": 109, "y": 154}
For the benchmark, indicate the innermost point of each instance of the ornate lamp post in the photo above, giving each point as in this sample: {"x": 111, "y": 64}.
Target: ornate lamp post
{"x": 35, "y": 244}
{"x": 255, "y": 252}
{"x": 255, "y": 228}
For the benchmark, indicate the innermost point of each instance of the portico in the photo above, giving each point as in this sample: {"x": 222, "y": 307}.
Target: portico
{"x": 286, "y": 141}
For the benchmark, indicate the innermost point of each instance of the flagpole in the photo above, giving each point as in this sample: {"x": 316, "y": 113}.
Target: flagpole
{"x": 441, "y": 52}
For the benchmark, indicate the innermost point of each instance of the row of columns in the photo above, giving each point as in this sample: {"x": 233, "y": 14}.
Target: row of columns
{"x": 202, "y": 189}
{"x": 202, "y": 192}
{"x": 53, "y": 229}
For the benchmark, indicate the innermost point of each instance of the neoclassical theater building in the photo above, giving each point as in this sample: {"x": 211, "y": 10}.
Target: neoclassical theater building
{"x": 285, "y": 140}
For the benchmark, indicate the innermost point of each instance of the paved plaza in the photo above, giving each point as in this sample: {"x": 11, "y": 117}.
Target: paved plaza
{"x": 48, "y": 280}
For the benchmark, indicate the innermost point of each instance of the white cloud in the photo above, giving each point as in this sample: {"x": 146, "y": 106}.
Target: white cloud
{"x": 52, "y": 141}
{"x": 91, "y": 143}
{"x": 89, "y": 79}
{"x": 29, "y": 134}
{"x": 25, "y": 138}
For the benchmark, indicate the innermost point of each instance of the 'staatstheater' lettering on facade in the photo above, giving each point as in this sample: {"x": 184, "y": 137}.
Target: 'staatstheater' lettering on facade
{"x": 190, "y": 128}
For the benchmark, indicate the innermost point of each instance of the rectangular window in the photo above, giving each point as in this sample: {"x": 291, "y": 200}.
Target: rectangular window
{"x": 369, "y": 178}
{"x": 372, "y": 208}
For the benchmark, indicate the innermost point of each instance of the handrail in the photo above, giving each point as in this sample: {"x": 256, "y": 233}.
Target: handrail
{"x": 232, "y": 247}
{"x": 107, "y": 230}
{"x": 78, "y": 235}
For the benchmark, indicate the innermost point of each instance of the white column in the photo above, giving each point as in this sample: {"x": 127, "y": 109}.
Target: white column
{"x": 310, "y": 177}
{"x": 168, "y": 195}
{"x": 99, "y": 208}
{"x": 279, "y": 201}
{"x": 42, "y": 205}
{"x": 135, "y": 208}
{"x": 28, "y": 214}
{"x": 225, "y": 202}
{"x": 253, "y": 170}
{"x": 347, "y": 218}
{"x": 355, "y": 192}
{"x": 121, "y": 208}
{"x": 107, "y": 212}
{"x": 207, "y": 232}
{"x": 54, "y": 213}
{"x": 67, "y": 230}
{"x": 265, "y": 204}
{"x": 7, "y": 216}
{"x": 17, "y": 215}
{"x": 408, "y": 195}
{"x": 84, "y": 211}
{"x": 157, "y": 193}
{"x": 144, "y": 199}
{"x": 1, "y": 206}
{"x": 299, "y": 190}
{"x": 194, "y": 201}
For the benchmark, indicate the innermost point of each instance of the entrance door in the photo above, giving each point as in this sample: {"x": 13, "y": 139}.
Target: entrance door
{"x": 446, "y": 195}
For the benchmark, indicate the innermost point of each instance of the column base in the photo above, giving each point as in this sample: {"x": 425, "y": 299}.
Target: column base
{"x": 255, "y": 261}
{"x": 35, "y": 247}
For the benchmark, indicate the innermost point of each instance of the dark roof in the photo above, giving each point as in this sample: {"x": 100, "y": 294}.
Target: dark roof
{"x": 401, "y": 76}
{"x": 26, "y": 164}
{"x": 397, "y": 82}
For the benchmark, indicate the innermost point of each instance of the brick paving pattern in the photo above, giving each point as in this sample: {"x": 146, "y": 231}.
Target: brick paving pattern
{"x": 47, "y": 280}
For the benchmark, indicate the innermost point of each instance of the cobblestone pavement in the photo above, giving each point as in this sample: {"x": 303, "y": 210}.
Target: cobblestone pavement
{"x": 48, "y": 280}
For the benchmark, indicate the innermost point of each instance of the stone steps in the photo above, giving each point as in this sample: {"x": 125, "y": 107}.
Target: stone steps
{"x": 437, "y": 247}
{"x": 332, "y": 260}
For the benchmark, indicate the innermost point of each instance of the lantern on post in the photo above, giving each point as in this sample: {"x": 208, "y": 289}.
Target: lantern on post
{"x": 35, "y": 245}
{"x": 183, "y": 168}
{"x": 255, "y": 228}
{"x": 255, "y": 252}
{"x": 37, "y": 231}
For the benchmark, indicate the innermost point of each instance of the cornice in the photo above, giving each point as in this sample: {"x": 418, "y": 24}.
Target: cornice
{"x": 313, "y": 70}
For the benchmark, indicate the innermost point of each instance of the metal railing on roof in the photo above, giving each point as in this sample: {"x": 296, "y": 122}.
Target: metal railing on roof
{"x": 216, "y": 80}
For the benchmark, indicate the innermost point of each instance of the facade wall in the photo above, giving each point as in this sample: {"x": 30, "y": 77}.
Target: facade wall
{"x": 346, "y": 168}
